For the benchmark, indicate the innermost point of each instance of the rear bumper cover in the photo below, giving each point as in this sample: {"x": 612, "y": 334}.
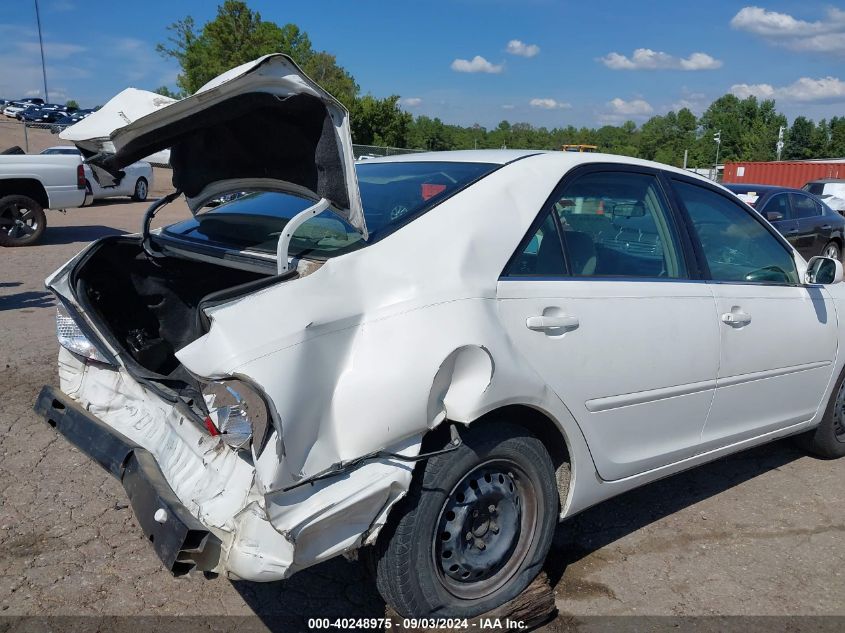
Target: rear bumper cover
{"x": 180, "y": 540}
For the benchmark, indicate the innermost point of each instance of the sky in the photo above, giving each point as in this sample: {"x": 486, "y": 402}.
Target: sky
{"x": 544, "y": 62}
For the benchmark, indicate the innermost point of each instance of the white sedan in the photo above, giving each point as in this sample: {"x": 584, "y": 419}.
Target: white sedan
{"x": 431, "y": 358}
{"x": 135, "y": 183}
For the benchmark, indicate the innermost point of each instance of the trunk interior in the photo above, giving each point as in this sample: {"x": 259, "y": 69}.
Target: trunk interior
{"x": 150, "y": 305}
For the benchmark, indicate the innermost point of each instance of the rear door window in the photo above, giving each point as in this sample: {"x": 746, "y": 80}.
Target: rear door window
{"x": 618, "y": 224}
{"x": 804, "y": 206}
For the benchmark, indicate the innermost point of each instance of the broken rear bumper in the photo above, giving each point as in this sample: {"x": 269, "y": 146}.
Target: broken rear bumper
{"x": 180, "y": 540}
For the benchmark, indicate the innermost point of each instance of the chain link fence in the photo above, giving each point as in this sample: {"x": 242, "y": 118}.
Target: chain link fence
{"x": 376, "y": 151}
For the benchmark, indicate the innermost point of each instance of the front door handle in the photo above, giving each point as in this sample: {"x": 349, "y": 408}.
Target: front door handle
{"x": 543, "y": 323}
{"x": 826, "y": 227}
{"x": 736, "y": 318}
{"x": 793, "y": 232}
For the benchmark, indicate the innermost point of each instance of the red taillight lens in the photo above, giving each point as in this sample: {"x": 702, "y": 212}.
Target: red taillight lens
{"x": 80, "y": 176}
{"x": 209, "y": 425}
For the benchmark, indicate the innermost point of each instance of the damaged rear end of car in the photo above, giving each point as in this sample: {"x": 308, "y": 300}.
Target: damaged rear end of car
{"x": 186, "y": 442}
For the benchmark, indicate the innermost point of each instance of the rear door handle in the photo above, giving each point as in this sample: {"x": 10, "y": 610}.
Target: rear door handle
{"x": 543, "y": 323}
{"x": 826, "y": 227}
{"x": 736, "y": 318}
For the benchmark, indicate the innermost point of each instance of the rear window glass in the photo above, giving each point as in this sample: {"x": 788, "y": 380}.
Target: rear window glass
{"x": 392, "y": 194}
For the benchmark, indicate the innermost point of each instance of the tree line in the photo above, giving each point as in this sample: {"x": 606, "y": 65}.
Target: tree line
{"x": 748, "y": 127}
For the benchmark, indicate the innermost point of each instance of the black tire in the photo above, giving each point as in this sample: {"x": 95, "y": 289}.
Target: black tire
{"x": 827, "y": 440}
{"x": 507, "y": 480}
{"x": 22, "y": 221}
{"x": 142, "y": 189}
{"x": 833, "y": 251}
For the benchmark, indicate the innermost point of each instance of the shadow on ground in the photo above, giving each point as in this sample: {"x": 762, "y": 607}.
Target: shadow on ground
{"x": 73, "y": 234}
{"x": 288, "y": 605}
{"x": 28, "y": 299}
{"x": 614, "y": 519}
{"x": 336, "y": 589}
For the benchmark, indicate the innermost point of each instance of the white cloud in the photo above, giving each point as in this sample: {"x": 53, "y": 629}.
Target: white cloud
{"x": 804, "y": 90}
{"x": 517, "y": 47}
{"x": 696, "y": 102}
{"x": 647, "y": 59}
{"x": 549, "y": 104}
{"x": 619, "y": 110}
{"x": 476, "y": 65}
{"x": 61, "y": 6}
{"x": 782, "y": 29}
{"x": 52, "y": 50}
{"x": 411, "y": 102}
{"x": 634, "y": 107}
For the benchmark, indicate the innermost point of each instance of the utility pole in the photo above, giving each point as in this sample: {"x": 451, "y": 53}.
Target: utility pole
{"x": 718, "y": 138}
{"x": 780, "y": 141}
{"x": 41, "y": 44}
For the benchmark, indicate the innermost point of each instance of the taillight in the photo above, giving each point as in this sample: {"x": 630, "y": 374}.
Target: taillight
{"x": 80, "y": 176}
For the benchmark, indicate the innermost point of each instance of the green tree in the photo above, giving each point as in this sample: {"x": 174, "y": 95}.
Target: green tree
{"x": 837, "y": 137}
{"x": 820, "y": 141}
{"x": 167, "y": 92}
{"x": 238, "y": 35}
{"x": 380, "y": 122}
{"x": 799, "y": 140}
{"x": 71, "y": 103}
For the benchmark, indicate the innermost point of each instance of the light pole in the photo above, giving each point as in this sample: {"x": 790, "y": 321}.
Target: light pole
{"x": 718, "y": 138}
{"x": 41, "y": 44}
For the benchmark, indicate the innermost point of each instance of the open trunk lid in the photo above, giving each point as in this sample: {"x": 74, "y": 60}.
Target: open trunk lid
{"x": 263, "y": 126}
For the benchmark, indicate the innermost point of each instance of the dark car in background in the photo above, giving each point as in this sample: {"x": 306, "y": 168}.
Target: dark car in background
{"x": 69, "y": 119}
{"x": 811, "y": 226}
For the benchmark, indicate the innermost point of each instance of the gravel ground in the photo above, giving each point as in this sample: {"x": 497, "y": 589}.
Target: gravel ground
{"x": 760, "y": 533}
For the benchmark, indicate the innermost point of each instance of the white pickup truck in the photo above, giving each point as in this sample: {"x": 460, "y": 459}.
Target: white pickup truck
{"x": 30, "y": 183}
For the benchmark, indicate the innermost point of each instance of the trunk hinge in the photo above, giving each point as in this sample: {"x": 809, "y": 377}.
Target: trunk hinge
{"x": 148, "y": 218}
{"x": 282, "y": 265}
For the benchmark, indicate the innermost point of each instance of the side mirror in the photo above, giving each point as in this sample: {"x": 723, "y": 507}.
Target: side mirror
{"x": 774, "y": 216}
{"x": 824, "y": 270}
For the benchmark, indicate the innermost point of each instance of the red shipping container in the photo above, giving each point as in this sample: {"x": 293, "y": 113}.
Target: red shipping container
{"x": 782, "y": 173}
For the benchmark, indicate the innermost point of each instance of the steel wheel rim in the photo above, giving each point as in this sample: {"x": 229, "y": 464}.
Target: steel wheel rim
{"x": 485, "y": 529}
{"x": 839, "y": 414}
{"x": 831, "y": 251}
{"x": 18, "y": 221}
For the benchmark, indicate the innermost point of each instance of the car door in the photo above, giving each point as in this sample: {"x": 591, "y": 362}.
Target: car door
{"x": 778, "y": 337}
{"x": 599, "y": 299}
{"x": 813, "y": 227}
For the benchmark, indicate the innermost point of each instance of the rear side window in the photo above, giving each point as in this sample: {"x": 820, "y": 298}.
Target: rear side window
{"x": 804, "y": 206}
{"x": 542, "y": 256}
{"x": 735, "y": 244}
{"x": 617, "y": 224}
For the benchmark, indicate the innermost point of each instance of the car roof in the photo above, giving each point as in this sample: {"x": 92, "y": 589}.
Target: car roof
{"x": 492, "y": 156}
{"x": 734, "y": 186}
{"x": 566, "y": 160}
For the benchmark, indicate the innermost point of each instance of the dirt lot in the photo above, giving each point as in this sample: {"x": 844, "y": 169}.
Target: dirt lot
{"x": 760, "y": 533}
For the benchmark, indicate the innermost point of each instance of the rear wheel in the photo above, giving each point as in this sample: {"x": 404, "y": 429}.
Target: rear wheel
{"x": 828, "y": 438}
{"x": 833, "y": 251}
{"x": 22, "y": 221}
{"x": 474, "y": 529}
{"x": 141, "y": 190}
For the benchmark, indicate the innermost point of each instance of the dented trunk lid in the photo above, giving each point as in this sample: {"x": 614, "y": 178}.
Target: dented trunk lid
{"x": 263, "y": 126}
